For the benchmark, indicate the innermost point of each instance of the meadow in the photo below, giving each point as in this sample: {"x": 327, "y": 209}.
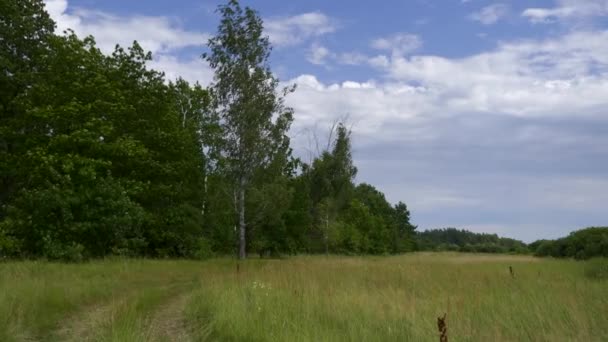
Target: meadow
{"x": 306, "y": 298}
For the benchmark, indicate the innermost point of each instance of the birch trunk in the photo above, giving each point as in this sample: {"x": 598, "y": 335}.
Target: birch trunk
{"x": 242, "y": 242}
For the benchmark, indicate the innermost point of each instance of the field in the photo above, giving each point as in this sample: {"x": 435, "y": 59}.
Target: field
{"x": 304, "y": 299}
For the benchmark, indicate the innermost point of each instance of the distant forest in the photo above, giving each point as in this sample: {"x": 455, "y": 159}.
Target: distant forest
{"x": 452, "y": 239}
{"x": 581, "y": 244}
{"x": 101, "y": 155}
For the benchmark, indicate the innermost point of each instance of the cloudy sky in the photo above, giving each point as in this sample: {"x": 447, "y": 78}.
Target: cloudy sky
{"x": 490, "y": 116}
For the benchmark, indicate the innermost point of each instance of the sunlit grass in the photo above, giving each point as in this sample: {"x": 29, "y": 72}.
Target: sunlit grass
{"x": 306, "y": 299}
{"x": 399, "y": 298}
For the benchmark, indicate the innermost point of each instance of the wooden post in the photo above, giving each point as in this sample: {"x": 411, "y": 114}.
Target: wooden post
{"x": 442, "y": 325}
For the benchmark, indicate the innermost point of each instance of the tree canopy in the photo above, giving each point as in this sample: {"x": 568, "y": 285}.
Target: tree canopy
{"x": 581, "y": 244}
{"x": 101, "y": 155}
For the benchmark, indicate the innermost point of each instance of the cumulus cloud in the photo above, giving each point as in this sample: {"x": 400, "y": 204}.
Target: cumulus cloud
{"x": 523, "y": 78}
{"x": 155, "y": 33}
{"x": 513, "y": 134}
{"x": 288, "y": 31}
{"x": 490, "y": 14}
{"x": 318, "y": 54}
{"x": 527, "y": 77}
{"x": 160, "y": 35}
{"x": 567, "y": 9}
{"x": 191, "y": 69}
{"x": 512, "y": 171}
{"x": 399, "y": 43}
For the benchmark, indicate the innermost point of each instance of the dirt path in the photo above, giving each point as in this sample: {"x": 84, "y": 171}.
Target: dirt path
{"x": 168, "y": 323}
{"x": 82, "y": 325}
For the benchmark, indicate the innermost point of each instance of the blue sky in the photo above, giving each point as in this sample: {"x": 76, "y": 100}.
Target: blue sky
{"x": 485, "y": 115}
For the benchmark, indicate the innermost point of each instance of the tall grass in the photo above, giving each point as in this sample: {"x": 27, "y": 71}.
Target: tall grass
{"x": 399, "y": 299}
{"x": 39, "y": 299}
{"x": 306, "y": 299}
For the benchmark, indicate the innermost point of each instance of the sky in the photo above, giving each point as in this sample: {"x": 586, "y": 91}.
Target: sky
{"x": 483, "y": 115}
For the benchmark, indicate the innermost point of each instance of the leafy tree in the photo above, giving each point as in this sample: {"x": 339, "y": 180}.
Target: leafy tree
{"x": 582, "y": 244}
{"x": 101, "y": 160}
{"x": 25, "y": 31}
{"x": 331, "y": 179}
{"x": 404, "y": 232}
{"x": 69, "y": 196}
{"x": 298, "y": 217}
{"x": 101, "y": 155}
{"x": 252, "y": 113}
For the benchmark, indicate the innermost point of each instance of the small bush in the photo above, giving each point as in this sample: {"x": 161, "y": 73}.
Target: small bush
{"x": 73, "y": 252}
{"x": 203, "y": 249}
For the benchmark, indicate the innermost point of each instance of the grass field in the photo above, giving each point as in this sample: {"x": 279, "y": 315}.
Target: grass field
{"x": 304, "y": 299}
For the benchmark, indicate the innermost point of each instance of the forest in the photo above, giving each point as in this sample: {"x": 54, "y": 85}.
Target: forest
{"x": 581, "y": 244}
{"x": 101, "y": 155}
{"x": 452, "y": 239}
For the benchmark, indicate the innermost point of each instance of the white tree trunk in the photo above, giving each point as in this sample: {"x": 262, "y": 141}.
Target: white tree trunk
{"x": 242, "y": 241}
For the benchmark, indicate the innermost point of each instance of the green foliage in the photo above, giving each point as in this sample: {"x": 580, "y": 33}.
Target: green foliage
{"x": 100, "y": 155}
{"x": 253, "y": 118}
{"x": 452, "y": 239}
{"x": 582, "y": 244}
{"x": 203, "y": 249}
{"x": 101, "y": 161}
{"x": 25, "y": 31}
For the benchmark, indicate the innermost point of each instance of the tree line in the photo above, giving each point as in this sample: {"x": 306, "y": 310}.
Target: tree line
{"x": 581, "y": 244}
{"x": 460, "y": 240}
{"x": 101, "y": 155}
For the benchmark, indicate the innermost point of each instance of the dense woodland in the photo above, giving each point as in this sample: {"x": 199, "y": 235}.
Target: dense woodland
{"x": 581, "y": 244}
{"x": 101, "y": 155}
{"x": 452, "y": 239}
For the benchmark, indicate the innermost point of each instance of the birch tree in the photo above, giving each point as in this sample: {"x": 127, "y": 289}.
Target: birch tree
{"x": 248, "y": 101}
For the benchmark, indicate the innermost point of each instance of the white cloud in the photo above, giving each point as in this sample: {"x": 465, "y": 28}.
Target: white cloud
{"x": 160, "y": 35}
{"x": 565, "y": 9}
{"x": 287, "y": 31}
{"x": 490, "y": 14}
{"x": 318, "y": 54}
{"x": 192, "y": 70}
{"x": 447, "y": 160}
{"x": 523, "y": 78}
{"x": 351, "y": 58}
{"x": 399, "y": 43}
{"x": 528, "y": 77}
{"x": 155, "y": 33}
{"x": 368, "y": 104}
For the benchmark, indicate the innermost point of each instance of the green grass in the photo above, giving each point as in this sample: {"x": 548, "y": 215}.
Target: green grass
{"x": 305, "y": 299}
